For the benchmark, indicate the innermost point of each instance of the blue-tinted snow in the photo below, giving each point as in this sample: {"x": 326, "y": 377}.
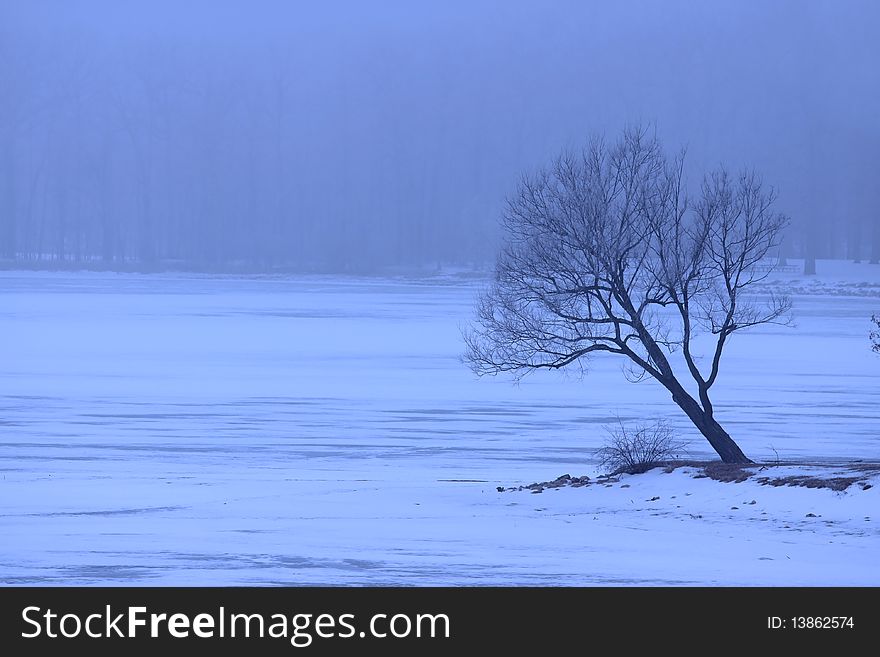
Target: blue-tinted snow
{"x": 196, "y": 430}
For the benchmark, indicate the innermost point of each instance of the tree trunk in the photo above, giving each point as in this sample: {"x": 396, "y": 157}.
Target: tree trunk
{"x": 722, "y": 443}
{"x": 875, "y": 241}
{"x": 854, "y": 241}
{"x": 720, "y": 440}
{"x": 810, "y": 266}
{"x": 784, "y": 246}
{"x": 810, "y": 248}
{"x": 8, "y": 248}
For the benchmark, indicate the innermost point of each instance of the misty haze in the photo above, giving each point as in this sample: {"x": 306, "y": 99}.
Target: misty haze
{"x": 256, "y": 260}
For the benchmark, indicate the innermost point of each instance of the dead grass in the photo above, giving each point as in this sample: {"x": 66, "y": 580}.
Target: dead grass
{"x": 845, "y": 475}
{"x": 856, "y": 473}
{"x": 806, "y": 481}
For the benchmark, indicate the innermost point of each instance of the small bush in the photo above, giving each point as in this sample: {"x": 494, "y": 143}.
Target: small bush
{"x": 640, "y": 448}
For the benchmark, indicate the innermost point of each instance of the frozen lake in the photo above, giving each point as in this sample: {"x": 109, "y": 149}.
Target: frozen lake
{"x": 195, "y": 430}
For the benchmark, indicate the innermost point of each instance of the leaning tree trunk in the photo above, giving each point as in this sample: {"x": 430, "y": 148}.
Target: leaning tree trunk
{"x": 720, "y": 440}
{"x": 722, "y": 443}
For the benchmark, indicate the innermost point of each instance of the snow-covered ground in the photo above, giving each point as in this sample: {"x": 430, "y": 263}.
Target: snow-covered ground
{"x": 171, "y": 429}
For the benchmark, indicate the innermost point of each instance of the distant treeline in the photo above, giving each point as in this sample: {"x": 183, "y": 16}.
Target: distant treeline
{"x": 349, "y": 150}
{"x": 143, "y": 160}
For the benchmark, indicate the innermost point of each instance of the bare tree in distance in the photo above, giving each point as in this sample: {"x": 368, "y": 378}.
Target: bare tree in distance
{"x": 605, "y": 251}
{"x": 875, "y": 334}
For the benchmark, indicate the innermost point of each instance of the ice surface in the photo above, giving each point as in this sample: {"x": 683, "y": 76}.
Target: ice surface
{"x": 174, "y": 429}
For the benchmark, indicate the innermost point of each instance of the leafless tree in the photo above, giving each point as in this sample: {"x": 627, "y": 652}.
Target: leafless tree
{"x": 606, "y": 252}
{"x": 875, "y": 335}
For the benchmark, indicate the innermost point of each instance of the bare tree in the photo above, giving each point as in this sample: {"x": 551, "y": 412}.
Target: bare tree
{"x": 875, "y": 335}
{"x": 605, "y": 252}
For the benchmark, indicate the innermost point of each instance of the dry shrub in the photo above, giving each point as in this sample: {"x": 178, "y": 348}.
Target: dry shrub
{"x": 640, "y": 448}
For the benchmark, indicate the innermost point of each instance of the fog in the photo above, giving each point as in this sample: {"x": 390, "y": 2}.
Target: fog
{"x": 354, "y": 136}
